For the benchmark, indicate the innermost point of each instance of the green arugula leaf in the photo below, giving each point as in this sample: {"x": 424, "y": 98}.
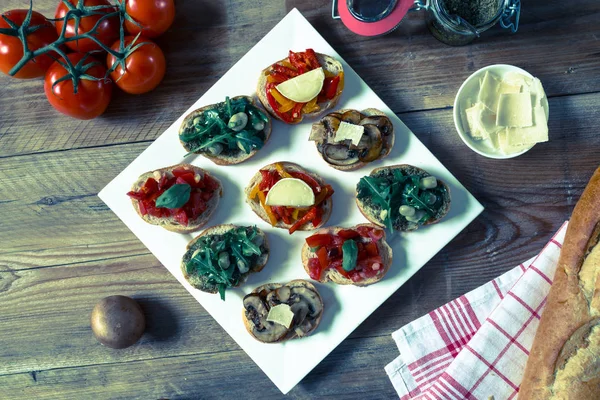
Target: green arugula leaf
{"x": 411, "y": 195}
{"x": 248, "y": 141}
{"x": 228, "y": 107}
{"x": 174, "y": 197}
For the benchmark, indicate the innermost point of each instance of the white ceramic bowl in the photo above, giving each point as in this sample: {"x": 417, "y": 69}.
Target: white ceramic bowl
{"x": 469, "y": 89}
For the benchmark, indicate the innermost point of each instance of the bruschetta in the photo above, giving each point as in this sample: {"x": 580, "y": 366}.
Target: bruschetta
{"x": 402, "y": 197}
{"x": 304, "y": 84}
{"x": 226, "y": 133}
{"x": 223, "y": 256}
{"x": 350, "y": 139}
{"x": 347, "y": 256}
{"x": 277, "y": 312}
{"x": 179, "y": 198}
{"x": 289, "y": 197}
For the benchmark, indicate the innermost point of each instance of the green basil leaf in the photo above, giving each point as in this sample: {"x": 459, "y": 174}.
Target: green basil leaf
{"x": 175, "y": 196}
{"x": 349, "y": 255}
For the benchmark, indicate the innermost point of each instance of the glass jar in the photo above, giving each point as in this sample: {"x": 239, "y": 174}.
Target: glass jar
{"x": 459, "y": 22}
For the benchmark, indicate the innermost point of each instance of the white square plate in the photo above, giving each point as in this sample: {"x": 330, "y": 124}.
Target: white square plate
{"x": 345, "y": 306}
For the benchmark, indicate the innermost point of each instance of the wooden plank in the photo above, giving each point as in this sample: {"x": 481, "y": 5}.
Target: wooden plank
{"x": 419, "y": 74}
{"x": 212, "y": 376}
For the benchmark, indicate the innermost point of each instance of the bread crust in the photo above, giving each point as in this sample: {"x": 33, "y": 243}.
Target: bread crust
{"x": 170, "y": 223}
{"x": 273, "y": 286}
{"x": 199, "y": 282}
{"x": 327, "y": 62}
{"x": 369, "y": 214}
{"x": 288, "y": 166}
{"x": 335, "y": 276}
{"x": 223, "y": 159}
{"x": 565, "y": 357}
{"x": 388, "y": 140}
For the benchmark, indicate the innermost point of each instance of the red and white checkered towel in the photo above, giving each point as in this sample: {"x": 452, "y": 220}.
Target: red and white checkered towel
{"x": 477, "y": 345}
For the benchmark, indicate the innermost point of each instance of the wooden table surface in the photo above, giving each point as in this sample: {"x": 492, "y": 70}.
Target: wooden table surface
{"x": 62, "y": 249}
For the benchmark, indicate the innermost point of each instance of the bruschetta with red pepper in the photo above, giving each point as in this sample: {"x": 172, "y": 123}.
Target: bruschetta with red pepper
{"x": 289, "y": 197}
{"x": 303, "y": 84}
{"x": 180, "y": 198}
{"x": 347, "y": 256}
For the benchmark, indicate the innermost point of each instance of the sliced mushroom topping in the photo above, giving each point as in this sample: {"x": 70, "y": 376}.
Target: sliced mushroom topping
{"x": 272, "y": 299}
{"x": 375, "y": 145}
{"x": 300, "y": 311}
{"x": 304, "y": 328}
{"x": 318, "y": 132}
{"x": 283, "y": 293}
{"x": 335, "y": 115}
{"x": 380, "y": 121}
{"x": 352, "y": 116}
{"x": 257, "y": 312}
{"x": 331, "y": 124}
{"x": 310, "y": 297}
{"x": 338, "y": 154}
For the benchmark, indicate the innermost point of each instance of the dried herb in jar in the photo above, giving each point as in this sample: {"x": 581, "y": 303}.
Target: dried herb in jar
{"x": 475, "y": 12}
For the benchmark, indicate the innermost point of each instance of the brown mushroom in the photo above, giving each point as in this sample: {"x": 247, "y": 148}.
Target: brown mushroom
{"x": 118, "y": 321}
{"x": 382, "y": 122}
{"x": 331, "y": 124}
{"x": 338, "y": 154}
{"x": 311, "y": 299}
{"x": 375, "y": 144}
{"x": 352, "y": 117}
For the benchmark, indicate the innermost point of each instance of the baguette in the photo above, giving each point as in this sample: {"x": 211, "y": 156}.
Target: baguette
{"x": 171, "y": 223}
{"x": 217, "y": 235}
{"x": 330, "y": 66}
{"x": 304, "y": 302}
{"x": 326, "y": 206}
{"x": 388, "y": 215}
{"x": 333, "y": 275}
{"x": 376, "y": 143}
{"x": 227, "y": 155}
{"x": 564, "y": 362}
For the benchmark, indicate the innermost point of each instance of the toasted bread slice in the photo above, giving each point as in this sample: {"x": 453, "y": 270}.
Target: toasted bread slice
{"x": 335, "y": 276}
{"x": 328, "y": 63}
{"x": 236, "y": 156}
{"x": 388, "y": 138}
{"x": 400, "y": 223}
{"x": 170, "y": 223}
{"x": 327, "y": 205}
{"x": 202, "y": 282}
{"x": 258, "y": 303}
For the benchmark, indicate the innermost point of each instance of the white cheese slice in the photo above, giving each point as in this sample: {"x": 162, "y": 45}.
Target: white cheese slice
{"x": 290, "y": 192}
{"x": 348, "y": 131}
{"x": 281, "y": 314}
{"x": 303, "y": 88}
{"x": 514, "y": 110}
{"x": 481, "y": 121}
{"x": 532, "y": 134}
{"x": 537, "y": 92}
{"x": 503, "y": 143}
{"x": 488, "y": 91}
{"x": 517, "y": 79}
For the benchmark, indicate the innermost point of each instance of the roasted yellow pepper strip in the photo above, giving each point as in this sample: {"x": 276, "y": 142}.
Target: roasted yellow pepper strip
{"x": 280, "y": 99}
{"x": 282, "y": 171}
{"x": 263, "y": 203}
{"x": 311, "y": 106}
{"x": 341, "y": 84}
{"x": 253, "y": 192}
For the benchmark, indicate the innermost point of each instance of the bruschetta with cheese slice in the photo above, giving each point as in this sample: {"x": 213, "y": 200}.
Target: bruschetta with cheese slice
{"x": 287, "y": 196}
{"x": 303, "y": 84}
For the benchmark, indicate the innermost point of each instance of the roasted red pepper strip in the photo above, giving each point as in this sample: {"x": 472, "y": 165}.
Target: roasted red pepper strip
{"x": 309, "y": 180}
{"x": 290, "y": 73}
{"x": 297, "y": 110}
{"x": 308, "y": 217}
{"x": 312, "y": 59}
{"x": 297, "y": 62}
{"x": 283, "y": 213}
{"x": 331, "y": 90}
{"x": 318, "y": 240}
{"x": 348, "y": 234}
{"x": 279, "y": 77}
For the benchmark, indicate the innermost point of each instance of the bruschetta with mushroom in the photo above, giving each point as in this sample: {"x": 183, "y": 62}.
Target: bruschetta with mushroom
{"x": 277, "y": 312}
{"x": 350, "y": 139}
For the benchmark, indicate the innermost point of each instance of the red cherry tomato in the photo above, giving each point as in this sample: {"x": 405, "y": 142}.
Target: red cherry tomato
{"x": 144, "y": 68}
{"x": 92, "y": 97}
{"x": 11, "y": 48}
{"x": 107, "y": 32}
{"x": 155, "y": 16}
